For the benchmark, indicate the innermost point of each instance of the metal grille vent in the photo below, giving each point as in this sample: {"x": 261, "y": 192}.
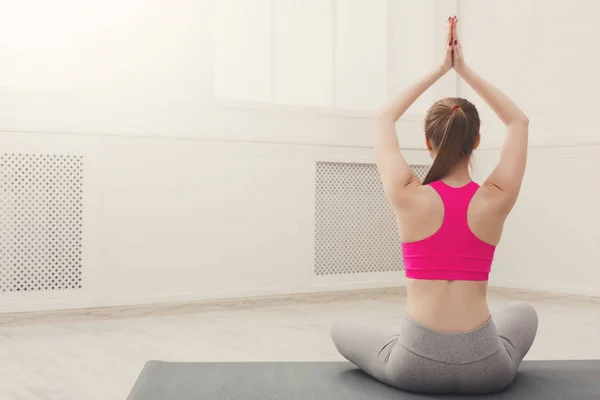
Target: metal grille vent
{"x": 355, "y": 229}
{"x": 41, "y": 212}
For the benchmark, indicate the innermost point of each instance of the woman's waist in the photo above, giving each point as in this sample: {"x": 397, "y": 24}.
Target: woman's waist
{"x": 448, "y": 306}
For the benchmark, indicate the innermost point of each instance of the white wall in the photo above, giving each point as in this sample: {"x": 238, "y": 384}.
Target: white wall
{"x": 539, "y": 52}
{"x": 190, "y": 69}
{"x": 200, "y": 127}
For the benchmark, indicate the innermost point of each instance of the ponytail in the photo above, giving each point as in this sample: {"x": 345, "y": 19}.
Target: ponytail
{"x": 452, "y": 148}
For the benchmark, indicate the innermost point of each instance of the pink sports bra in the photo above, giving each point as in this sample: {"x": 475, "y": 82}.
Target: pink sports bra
{"x": 453, "y": 252}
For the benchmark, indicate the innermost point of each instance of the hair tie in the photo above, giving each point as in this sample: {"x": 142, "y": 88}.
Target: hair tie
{"x": 454, "y": 107}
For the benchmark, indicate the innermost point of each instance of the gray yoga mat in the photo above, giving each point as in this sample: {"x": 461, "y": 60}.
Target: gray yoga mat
{"x": 547, "y": 380}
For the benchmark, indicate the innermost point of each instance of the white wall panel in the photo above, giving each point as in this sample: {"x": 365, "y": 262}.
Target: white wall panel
{"x": 137, "y": 68}
{"x": 242, "y": 66}
{"x": 541, "y": 54}
{"x": 413, "y": 35}
{"x": 361, "y": 54}
{"x": 303, "y": 53}
{"x": 30, "y": 38}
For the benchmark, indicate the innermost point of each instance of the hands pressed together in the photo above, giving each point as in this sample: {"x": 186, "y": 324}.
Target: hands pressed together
{"x": 454, "y": 55}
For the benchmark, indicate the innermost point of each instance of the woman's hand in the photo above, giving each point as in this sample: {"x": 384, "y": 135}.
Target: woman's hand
{"x": 458, "y": 62}
{"x": 447, "y": 63}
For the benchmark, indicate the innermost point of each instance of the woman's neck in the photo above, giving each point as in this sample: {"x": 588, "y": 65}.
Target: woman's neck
{"x": 459, "y": 176}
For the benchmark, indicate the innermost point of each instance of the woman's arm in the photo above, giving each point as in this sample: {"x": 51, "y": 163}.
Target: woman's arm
{"x": 505, "y": 108}
{"x": 394, "y": 171}
{"x": 507, "y": 176}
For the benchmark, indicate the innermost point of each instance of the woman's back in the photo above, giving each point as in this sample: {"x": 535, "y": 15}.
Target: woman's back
{"x": 450, "y": 305}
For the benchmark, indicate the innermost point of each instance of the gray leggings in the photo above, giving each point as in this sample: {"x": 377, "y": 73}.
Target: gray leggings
{"x": 426, "y": 361}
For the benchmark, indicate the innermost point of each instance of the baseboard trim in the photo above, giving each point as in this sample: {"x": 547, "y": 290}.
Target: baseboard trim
{"x": 517, "y": 288}
{"x": 191, "y": 307}
{"x": 240, "y": 303}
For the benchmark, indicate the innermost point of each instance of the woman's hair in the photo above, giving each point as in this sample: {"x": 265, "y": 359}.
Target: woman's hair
{"x": 452, "y": 127}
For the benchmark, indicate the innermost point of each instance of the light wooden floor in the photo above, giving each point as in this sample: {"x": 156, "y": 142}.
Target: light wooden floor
{"x": 99, "y": 357}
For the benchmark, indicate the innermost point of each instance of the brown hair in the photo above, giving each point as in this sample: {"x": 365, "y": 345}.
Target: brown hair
{"x": 452, "y": 127}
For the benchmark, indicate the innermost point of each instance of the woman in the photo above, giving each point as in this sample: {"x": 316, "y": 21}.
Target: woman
{"x": 449, "y": 226}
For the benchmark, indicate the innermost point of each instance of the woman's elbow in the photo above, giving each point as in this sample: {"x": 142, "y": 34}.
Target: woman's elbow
{"x": 523, "y": 120}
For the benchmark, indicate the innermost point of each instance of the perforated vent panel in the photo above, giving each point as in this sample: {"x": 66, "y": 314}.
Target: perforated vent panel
{"x": 41, "y": 211}
{"x": 355, "y": 228}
